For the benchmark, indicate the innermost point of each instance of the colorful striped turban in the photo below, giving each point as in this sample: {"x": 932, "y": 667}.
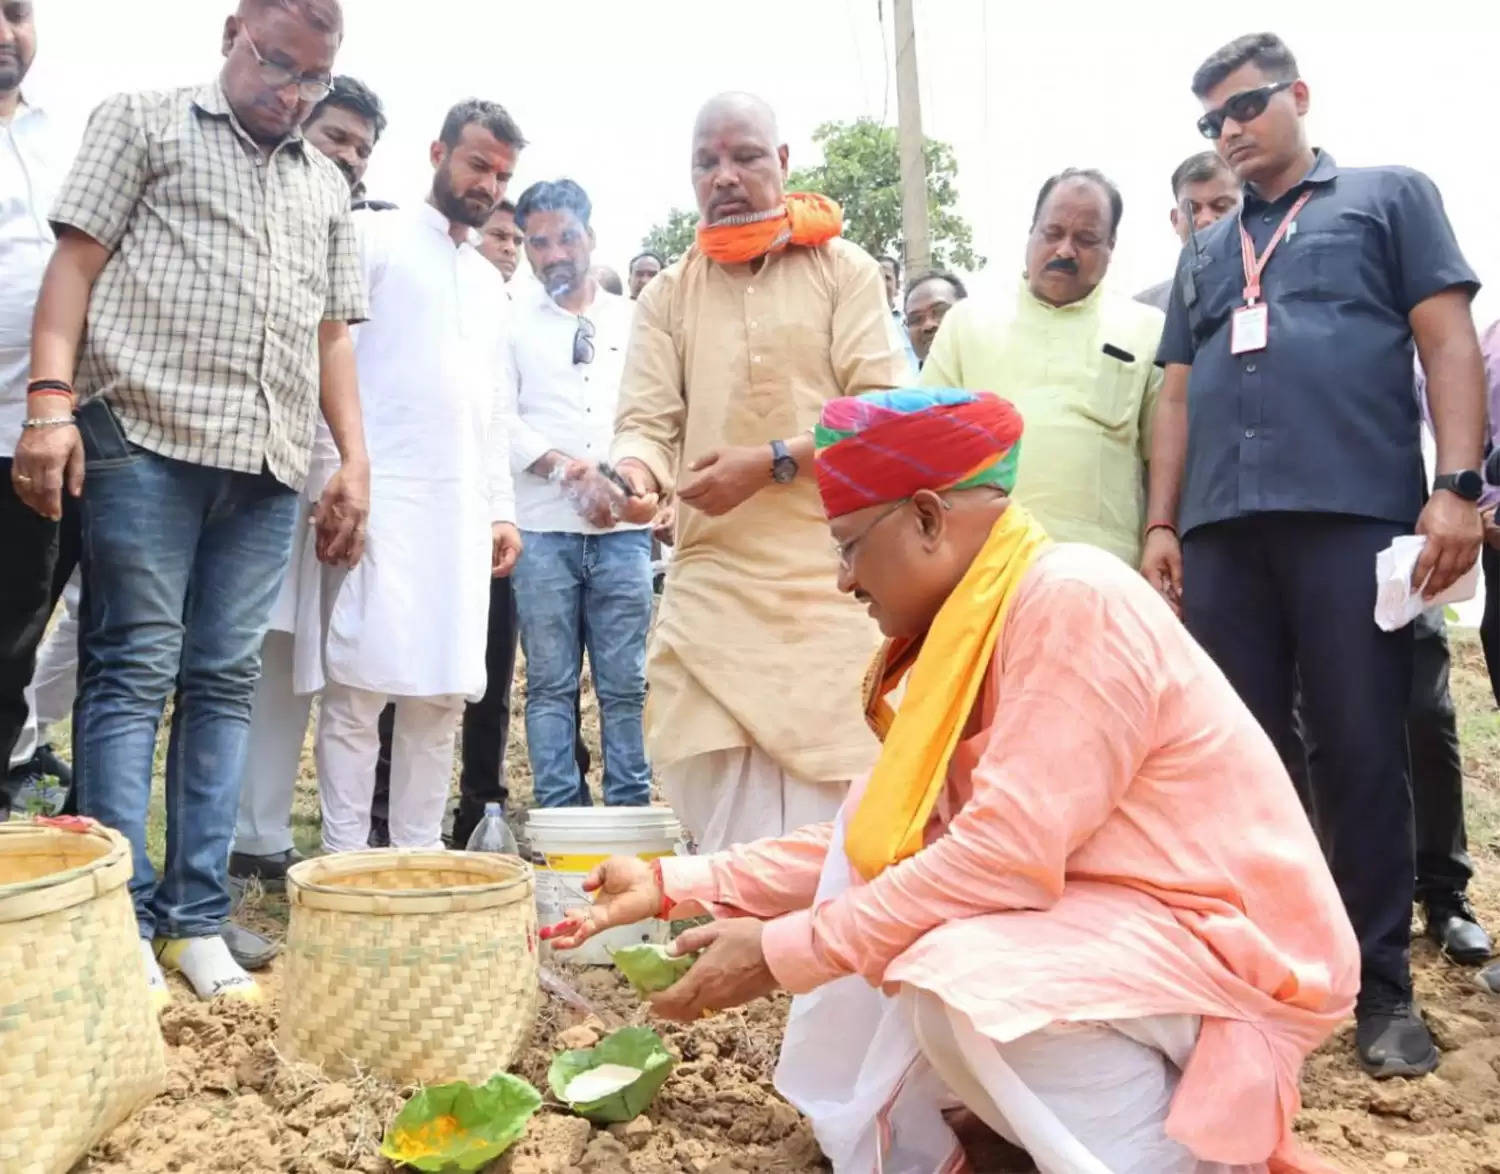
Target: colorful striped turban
{"x": 883, "y": 446}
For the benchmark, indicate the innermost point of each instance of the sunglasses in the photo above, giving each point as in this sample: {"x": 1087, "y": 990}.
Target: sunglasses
{"x": 1243, "y": 107}
{"x": 583, "y": 342}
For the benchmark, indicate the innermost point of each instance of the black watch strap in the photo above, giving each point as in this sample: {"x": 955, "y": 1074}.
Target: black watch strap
{"x": 1466, "y": 483}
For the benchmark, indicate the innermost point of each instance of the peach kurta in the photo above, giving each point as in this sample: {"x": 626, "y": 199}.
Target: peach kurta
{"x": 1118, "y": 840}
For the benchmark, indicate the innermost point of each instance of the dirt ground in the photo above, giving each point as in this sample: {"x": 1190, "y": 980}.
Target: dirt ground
{"x": 232, "y": 1105}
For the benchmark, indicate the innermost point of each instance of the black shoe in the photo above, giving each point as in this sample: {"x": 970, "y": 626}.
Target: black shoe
{"x": 1393, "y": 1041}
{"x": 250, "y": 949}
{"x": 380, "y": 833}
{"x": 1452, "y": 925}
{"x": 32, "y": 789}
{"x": 48, "y": 761}
{"x": 269, "y": 870}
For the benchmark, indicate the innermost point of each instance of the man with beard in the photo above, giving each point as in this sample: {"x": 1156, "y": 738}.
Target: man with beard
{"x": 205, "y": 275}
{"x": 409, "y": 623}
{"x": 1078, "y": 361}
{"x": 756, "y": 660}
{"x": 586, "y": 578}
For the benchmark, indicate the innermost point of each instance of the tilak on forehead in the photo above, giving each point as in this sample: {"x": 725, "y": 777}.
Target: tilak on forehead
{"x": 885, "y": 445}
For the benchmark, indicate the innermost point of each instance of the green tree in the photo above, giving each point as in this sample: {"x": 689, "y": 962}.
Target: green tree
{"x": 861, "y": 169}
{"x": 673, "y": 238}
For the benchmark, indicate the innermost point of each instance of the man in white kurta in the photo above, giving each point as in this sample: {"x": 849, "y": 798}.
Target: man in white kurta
{"x": 409, "y": 623}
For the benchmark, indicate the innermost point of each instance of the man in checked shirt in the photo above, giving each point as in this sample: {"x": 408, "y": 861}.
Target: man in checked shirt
{"x": 205, "y": 276}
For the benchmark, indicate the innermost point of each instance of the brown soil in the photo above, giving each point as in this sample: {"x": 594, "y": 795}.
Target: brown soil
{"x": 232, "y": 1105}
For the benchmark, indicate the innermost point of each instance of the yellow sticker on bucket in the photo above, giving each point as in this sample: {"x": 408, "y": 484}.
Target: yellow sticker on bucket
{"x": 560, "y": 862}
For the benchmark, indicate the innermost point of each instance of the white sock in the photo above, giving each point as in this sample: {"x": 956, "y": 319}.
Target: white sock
{"x": 156, "y": 981}
{"x": 209, "y": 968}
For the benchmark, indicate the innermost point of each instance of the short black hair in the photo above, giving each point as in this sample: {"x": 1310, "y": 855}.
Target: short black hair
{"x": 351, "y": 94}
{"x": 887, "y": 259}
{"x": 1091, "y": 175}
{"x": 937, "y": 275}
{"x": 504, "y": 206}
{"x": 1266, "y": 51}
{"x": 1199, "y": 168}
{"x": 652, "y": 253}
{"x": 554, "y": 195}
{"x": 490, "y": 115}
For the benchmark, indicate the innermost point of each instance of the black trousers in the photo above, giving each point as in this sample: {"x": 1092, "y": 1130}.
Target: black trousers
{"x": 1280, "y": 598}
{"x": 36, "y": 558}
{"x": 1489, "y": 625}
{"x": 1437, "y": 778}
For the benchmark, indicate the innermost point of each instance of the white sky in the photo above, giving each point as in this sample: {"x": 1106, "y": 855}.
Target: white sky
{"x": 606, "y": 91}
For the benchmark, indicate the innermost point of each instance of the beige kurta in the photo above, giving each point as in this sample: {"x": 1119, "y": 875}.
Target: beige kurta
{"x": 754, "y": 645}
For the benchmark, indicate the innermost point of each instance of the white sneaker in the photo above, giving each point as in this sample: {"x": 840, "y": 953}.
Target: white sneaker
{"x": 209, "y": 968}
{"x": 156, "y": 981}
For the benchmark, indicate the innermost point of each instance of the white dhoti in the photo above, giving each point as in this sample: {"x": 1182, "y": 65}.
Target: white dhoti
{"x": 348, "y": 743}
{"x": 873, "y": 1073}
{"x": 728, "y": 797}
{"x": 278, "y": 727}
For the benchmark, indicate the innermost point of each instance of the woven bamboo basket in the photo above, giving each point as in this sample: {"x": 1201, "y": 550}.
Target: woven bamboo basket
{"x": 80, "y": 1049}
{"x": 420, "y": 966}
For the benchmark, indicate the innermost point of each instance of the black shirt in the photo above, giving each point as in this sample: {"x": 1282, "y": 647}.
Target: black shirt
{"x": 1323, "y": 419}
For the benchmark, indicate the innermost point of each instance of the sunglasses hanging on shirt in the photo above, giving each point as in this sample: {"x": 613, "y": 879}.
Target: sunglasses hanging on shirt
{"x": 1243, "y": 107}
{"x": 583, "y": 342}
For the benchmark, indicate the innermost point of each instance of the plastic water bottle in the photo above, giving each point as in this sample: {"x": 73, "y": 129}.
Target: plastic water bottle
{"x": 493, "y": 834}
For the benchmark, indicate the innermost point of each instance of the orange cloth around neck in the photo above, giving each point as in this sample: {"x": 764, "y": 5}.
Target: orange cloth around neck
{"x": 806, "y": 219}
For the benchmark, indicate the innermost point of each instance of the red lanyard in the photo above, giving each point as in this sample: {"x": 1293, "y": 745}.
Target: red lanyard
{"x": 1255, "y": 266}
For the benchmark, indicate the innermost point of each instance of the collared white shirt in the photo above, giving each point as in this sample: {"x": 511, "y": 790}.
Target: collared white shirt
{"x": 31, "y": 166}
{"x": 559, "y": 404}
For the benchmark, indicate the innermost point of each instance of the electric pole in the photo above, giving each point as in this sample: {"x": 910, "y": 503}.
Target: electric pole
{"x": 913, "y": 157}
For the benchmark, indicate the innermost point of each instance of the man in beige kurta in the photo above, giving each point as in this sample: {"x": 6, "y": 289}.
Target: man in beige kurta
{"x": 754, "y": 717}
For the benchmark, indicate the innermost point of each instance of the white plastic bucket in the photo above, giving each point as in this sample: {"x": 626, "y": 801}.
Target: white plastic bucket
{"x": 567, "y": 842}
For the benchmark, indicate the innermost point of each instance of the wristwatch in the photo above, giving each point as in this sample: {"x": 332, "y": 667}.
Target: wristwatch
{"x": 1467, "y": 483}
{"x": 784, "y": 465}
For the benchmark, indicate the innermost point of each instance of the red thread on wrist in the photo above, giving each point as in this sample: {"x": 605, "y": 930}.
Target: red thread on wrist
{"x": 1163, "y": 526}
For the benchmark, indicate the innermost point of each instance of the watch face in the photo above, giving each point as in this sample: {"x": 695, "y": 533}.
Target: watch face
{"x": 1469, "y": 484}
{"x": 784, "y": 470}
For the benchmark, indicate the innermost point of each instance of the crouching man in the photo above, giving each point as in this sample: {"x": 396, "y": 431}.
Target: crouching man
{"x": 1077, "y": 892}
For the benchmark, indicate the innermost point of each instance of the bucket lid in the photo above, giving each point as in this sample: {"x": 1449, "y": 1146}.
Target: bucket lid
{"x": 603, "y": 820}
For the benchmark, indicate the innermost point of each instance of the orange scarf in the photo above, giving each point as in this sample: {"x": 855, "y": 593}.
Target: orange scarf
{"x": 805, "y": 219}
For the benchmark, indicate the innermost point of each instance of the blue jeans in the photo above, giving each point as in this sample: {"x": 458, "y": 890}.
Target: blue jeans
{"x": 181, "y": 566}
{"x": 596, "y": 587}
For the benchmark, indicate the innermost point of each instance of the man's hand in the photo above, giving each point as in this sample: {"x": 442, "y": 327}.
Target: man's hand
{"x": 597, "y": 499}
{"x": 1161, "y": 563}
{"x": 505, "y": 549}
{"x": 727, "y": 477}
{"x": 1491, "y": 531}
{"x": 1454, "y": 532}
{"x": 664, "y": 525}
{"x": 341, "y": 515}
{"x": 731, "y": 972}
{"x": 46, "y": 459}
{"x": 640, "y": 508}
{"x": 625, "y": 892}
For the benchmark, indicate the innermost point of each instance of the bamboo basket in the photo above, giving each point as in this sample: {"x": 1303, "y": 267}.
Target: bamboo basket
{"x": 80, "y": 1049}
{"x": 420, "y": 966}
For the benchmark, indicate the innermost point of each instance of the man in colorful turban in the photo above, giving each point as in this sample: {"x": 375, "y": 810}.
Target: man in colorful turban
{"x": 1077, "y": 893}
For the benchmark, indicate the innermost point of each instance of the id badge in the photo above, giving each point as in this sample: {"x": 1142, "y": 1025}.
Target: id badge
{"x": 1249, "y": 328}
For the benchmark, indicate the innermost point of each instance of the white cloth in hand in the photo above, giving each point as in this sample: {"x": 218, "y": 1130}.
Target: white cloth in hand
{"x": 1397, "y": 603}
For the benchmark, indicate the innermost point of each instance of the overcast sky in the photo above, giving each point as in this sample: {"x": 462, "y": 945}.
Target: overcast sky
{"x": 606, "y": 92}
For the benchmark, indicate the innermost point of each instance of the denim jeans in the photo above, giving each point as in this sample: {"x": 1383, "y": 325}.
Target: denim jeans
{"x": 181, "y": 565}
{"x": 601, "y": 583}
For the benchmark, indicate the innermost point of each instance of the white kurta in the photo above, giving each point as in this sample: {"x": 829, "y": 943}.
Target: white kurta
{"x": 411, "y": 619}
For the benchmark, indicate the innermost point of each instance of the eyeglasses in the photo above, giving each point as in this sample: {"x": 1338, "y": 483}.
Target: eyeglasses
{"x": 583, "y": 342}
{"x": 845, "y": 550}
{"x": 278, "y": 77}
{"x": 1243, "y": 107}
